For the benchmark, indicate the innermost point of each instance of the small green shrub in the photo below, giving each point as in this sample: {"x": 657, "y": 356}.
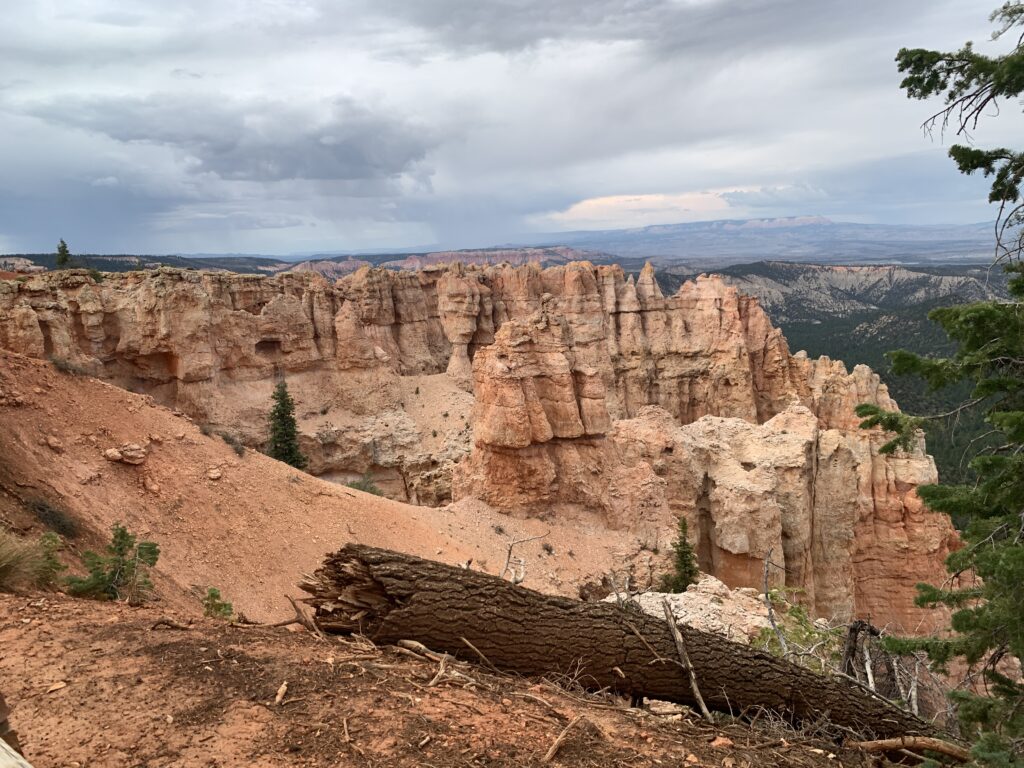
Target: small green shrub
{"x": 684, "y": 562}
{"x": 206, "y": 429}
{"x": 50, "y": 566}
{"x": 121, "y": 574}
{"x": 366, "y": 485}
{"x": 64, "y": 365}
{"x": 96, "y": 275}
{"x": 433, "y": 433}
{"x": 54, "y": 518}
{"x": 216, "y": 608}
{"x": 21, "y": 561}
{"x": 234, "y": 442}
{"x": 417, "y": 390}
{"x": 548, "y": 549}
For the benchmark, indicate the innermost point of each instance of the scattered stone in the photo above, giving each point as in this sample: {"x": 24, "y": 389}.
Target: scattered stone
{"x": 55, "y": 444}
{"x": 89, "y": 477}
{"x": 214, "y": 473}
{"x": 133, "y": 453}
{"x": 129, "y": 453}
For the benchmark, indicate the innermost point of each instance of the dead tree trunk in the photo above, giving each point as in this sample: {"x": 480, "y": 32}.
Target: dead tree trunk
{"x": 390, "y": 597}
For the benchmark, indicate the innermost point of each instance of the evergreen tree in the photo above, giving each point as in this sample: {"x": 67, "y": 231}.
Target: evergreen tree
{"x": 684, "y": 562}
{"x": 63, "y": 255}
{"x": 121, "y": 574}
{"x": 284, "y": 433}
{"x": 988, "y": 614}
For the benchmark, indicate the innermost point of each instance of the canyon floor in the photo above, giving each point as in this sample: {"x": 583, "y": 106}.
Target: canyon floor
{"x": 99, "y": 684}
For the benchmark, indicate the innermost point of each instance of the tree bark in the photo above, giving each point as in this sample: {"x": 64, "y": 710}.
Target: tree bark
{"x": 915, "y": 742}
{"x": 389, "y": 596}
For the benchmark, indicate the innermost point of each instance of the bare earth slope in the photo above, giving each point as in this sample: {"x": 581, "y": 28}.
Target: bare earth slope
{"x": 94, "y": 684}
{"x": 249, "y": 525}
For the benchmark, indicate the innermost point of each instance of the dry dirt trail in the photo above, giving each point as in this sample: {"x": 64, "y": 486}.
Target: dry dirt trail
{"x": 94, "y": 684}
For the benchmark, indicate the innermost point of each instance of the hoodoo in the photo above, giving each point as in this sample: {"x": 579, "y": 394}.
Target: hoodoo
{"x": 574, "y": 391}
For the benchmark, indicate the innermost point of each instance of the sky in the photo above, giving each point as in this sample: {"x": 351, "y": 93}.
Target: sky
{"x": 297, "y": 126}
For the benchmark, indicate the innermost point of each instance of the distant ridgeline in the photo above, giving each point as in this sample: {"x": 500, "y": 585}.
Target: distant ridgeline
{"x": 857, "y": 314}
{"x": 125, "y": 262}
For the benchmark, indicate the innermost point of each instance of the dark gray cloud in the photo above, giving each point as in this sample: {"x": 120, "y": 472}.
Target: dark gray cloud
{"x": 296, "y": 125}
{"x": 257, "y": 140}
{"x": 727, "y": 27}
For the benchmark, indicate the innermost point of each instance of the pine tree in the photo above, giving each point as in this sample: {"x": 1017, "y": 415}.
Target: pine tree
{"x": 284, "y": 433}
{"x": 988, "y": 614}
{"x": 122, "y": 574}
{"x": 63, "y": 255}
{"x": 215, "y": 607}
{"x": 684, "y": 563}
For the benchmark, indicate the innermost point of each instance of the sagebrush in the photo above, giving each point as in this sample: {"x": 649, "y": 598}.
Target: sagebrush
{"x": 54, "y": 518}
{"x": 21, "y": 561}
{"x": 366, "y": 485}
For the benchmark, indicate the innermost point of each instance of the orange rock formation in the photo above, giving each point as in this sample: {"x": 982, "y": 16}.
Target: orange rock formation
{"x": 592, "y": 394}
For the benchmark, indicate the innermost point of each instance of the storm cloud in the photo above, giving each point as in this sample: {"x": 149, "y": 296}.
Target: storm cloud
{"x": 288, "y": 126}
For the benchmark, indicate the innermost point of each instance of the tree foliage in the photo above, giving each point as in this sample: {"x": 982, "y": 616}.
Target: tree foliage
{"x": 122, "y": 573}
{"x": 284, "y": 433}
{"x": 215, "y": 607}
{"x": 972, "y": 83}
{"x": 986, "y": 590}
{"x": 63, "y": 255}
{"x": 684, "y": 563}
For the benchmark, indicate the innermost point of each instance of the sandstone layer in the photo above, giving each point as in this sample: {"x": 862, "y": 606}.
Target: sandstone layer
{"x": 593, "y": 397}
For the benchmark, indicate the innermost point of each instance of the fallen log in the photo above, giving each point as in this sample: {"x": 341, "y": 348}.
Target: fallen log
{"x": 389, "y": 597}
{"x": 920, "y": 743}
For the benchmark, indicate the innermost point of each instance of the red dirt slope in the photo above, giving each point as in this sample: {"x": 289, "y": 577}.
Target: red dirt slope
{"x": 94, "y": 684}
{"x": 248, "y": 525}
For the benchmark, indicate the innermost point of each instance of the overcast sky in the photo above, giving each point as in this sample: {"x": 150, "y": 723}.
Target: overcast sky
{"x": 285, "y": 126}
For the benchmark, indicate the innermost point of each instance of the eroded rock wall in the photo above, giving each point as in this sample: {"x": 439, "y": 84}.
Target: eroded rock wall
{"x": 572, "y": 390}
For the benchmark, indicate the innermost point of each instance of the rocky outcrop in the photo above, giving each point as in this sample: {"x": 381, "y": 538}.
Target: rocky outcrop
{"x": 841, "y": 522}
{"x": 540, "y": 425}
{"x": 762, "y": 452}
{"x": 592, "y": 394}
{"x": 709, "y": 605}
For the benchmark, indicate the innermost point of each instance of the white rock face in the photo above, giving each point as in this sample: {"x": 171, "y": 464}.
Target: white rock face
{"x": 738, "y": 614}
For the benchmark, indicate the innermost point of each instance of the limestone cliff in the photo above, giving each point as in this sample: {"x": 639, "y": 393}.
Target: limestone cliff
{"x": 592, "y": 394}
